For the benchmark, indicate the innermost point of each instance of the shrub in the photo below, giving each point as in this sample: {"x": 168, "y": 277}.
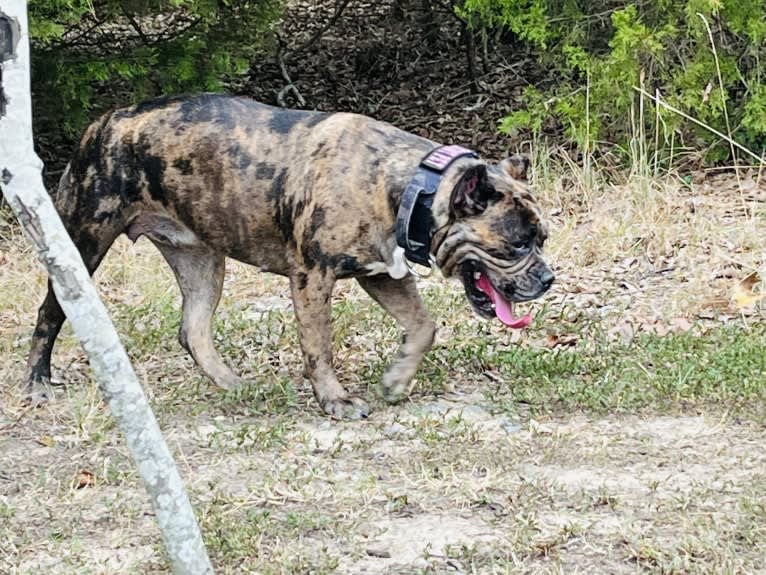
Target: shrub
{"x": 87, "y": 53}
{"x": 598, "y": 52}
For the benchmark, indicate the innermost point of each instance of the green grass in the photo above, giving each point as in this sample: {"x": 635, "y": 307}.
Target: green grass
{"x": 252, "y": 437}
{"x": 722, "y": 365}
{"x": 256, "y": 545}
{"x": 726, "y": 365}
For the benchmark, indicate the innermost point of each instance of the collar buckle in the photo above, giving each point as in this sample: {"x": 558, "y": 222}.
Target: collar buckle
{"x": 413, "y": 270}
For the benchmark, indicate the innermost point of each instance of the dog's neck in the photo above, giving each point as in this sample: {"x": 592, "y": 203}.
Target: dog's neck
{"x": 415, "y": 219}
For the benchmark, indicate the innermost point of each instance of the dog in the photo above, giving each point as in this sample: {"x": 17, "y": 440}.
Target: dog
{"x": 312, "y": 196}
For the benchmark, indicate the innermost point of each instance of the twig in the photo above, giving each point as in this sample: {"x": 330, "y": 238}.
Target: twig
{"x": 136, "y": 26}
{"x": 723, "y": 102}
{"x": 375, "y": 107}
{"x": 339, "y": 7}
{"x": 281, "y": 58}
{"x": 16, "y": 420}
{"x": 289, "y": 86}
{"x": 450, "y": 8}
{"x": 480, "y": 103}
{"x": 721, "y": 135}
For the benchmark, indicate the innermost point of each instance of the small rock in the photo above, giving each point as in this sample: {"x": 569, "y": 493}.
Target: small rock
{"x": 382, "y": 553}
{"x": 510, "y": 426}
{"x": 394, "y": 429}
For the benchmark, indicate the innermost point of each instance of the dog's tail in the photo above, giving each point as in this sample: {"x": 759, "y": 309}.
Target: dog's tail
{"x": 62, "y": 194}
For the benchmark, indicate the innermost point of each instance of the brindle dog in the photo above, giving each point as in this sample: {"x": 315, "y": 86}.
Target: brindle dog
{"x": 308, "y": 195}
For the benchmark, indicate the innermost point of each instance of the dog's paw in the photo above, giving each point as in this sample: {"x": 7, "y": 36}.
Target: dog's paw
{"x": 393, "y": 395}
{"x": 229, "y": 382}
{"x": 346, "y": 408}
{"x": 394, "y": 389}
{"x": 38, "y": 393}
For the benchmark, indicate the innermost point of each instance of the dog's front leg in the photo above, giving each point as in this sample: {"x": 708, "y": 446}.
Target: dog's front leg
{"x": 400, "y": 298}
{"x": 312, "y": 292}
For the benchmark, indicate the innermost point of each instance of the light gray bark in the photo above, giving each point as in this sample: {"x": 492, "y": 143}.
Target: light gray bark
{"x": 22, "y": 185}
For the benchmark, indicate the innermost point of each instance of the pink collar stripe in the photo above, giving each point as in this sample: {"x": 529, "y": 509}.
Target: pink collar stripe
{"x": 442, "y": 157}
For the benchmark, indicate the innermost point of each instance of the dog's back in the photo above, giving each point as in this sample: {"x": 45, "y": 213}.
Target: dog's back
{"x": 228, "y": 171}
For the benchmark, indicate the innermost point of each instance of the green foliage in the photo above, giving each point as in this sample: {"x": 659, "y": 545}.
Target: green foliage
{"x": 89, "y": 54}
{"x": 725, "y": 366}
{"x": 599, "y": 53}
{"x": 754, "y": 117}
{"x": 525, "y": 18}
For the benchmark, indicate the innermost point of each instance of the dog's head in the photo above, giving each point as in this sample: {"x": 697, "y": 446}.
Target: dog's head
{"x": 489, "y": 231}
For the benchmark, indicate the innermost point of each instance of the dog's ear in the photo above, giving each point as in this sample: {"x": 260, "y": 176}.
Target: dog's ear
{"x": 472, "y": 192}
{"x": 516, "y": 166}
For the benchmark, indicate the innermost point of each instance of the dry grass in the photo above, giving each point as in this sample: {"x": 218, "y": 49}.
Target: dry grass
{"x": 517, "y": 453}
{"x": 647, "y": 233}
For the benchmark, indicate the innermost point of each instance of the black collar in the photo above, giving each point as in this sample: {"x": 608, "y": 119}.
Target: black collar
{"x": 413, "y": 221}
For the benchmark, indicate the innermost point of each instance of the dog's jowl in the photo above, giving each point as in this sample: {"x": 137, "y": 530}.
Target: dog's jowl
{"x": 312, "y": 196}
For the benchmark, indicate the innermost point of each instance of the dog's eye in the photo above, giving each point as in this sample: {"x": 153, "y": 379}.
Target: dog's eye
{"x": 520, "y": 245}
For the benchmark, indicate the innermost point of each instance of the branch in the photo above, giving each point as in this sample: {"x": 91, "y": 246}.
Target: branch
{"x": 136, "y": 26}
{"x": 339, "y": 8}
{"x": 281, "y": 59}
{"x": 450, "y": 7}
{"x": 470, "y": 56}
{"x": 283, "y": 69}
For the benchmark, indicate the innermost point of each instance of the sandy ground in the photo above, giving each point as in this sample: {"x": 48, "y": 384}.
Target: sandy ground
{"x": 446, "y": 483}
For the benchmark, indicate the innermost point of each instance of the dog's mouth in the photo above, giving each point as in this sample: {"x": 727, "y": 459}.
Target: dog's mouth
{"x": 488, "y": 301}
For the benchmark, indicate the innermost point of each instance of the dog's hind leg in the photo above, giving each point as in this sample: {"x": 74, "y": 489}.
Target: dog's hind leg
{"x": 400, "y": 298}
{"x": 199, "y": 272}
{"x": 50, "y": 316}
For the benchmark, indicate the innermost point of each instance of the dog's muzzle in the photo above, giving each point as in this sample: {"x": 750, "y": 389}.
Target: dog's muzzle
{"x": 491, "y": 297}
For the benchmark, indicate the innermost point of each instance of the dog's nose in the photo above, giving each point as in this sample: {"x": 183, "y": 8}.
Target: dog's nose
{"x": 547, "y": 279}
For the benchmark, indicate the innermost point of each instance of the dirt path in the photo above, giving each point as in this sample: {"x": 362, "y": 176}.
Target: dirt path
{"x": 437, "y": 486}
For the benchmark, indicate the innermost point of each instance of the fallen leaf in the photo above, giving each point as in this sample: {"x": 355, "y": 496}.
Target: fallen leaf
{"x": 540, "y": 428}
{"x": 744, "y": 294}
{"x": 553, "y": 340}
{"x": 47, "y": 441}
{"x": 84, "y": 479}
{"x": 681, "y": 324}
{"x": 749, "y": 281}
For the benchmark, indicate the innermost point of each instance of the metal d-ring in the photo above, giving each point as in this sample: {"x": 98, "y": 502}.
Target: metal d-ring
{"x": 413, "y": 271}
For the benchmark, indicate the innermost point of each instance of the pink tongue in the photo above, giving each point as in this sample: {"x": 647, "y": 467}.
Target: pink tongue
{"x": 503, "y": 308}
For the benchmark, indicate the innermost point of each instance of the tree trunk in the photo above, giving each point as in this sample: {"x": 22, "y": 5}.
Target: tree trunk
{"x": 428, "y": 24}
{"x": 470, "y": 55}
{"x": 22, "y": 185}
